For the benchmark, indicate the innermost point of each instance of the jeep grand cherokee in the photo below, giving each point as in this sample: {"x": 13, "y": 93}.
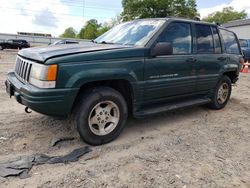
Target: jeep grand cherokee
{"x": 140, "y": 67}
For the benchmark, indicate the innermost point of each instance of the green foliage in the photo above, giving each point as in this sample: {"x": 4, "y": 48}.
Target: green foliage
{"x": 80, "y": 35}
{"x": 158, "y": 9}
{"x": 90, "y": 31}
{"x": 226, "y": 15}
{"x": 102, "y": 30}
{"x": 69, "y": 33}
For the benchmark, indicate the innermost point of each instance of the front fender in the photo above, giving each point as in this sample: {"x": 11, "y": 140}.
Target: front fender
{"x": 86, "y": 76}
{"x": 74, "y": 75}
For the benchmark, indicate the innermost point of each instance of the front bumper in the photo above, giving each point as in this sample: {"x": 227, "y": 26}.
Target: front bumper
{"x": 53, "y": 102}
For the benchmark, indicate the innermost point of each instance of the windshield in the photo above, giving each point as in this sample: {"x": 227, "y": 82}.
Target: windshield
{"x": 136, "y": 33}
{"x": 243, "y": 43}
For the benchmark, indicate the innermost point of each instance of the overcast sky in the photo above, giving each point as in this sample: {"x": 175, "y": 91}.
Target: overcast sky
{"x": 54, "y": 16}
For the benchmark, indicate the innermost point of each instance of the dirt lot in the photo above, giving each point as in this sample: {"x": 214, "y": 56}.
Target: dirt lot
{"x": 197, "y": 147}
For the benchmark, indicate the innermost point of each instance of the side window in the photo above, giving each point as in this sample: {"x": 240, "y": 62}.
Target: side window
{"x": 230, "y": 42}
{"x": 217, "y": 43}
{"x": 204, "y": 39}
{"x": 179, "y": 36}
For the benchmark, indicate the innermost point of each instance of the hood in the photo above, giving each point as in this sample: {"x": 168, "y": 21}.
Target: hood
{"x": 41, "y": 54}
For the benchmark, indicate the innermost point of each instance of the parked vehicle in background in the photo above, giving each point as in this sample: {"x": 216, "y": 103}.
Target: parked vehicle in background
{"x": 66, "y": 41}
{"x": 142, "y": 67}
{"x": 14, "y": 44}
{"x": 245, "y": 47}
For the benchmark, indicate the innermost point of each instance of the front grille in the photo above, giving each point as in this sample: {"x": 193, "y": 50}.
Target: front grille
{"x": 22, "y": 68}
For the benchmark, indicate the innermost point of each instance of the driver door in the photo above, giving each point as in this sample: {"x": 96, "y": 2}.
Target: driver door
{"x": 172, "y": 75}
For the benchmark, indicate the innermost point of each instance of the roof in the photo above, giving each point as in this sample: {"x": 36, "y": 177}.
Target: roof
{"x": 178, "y": 19}
{"x": 237, "y": 23}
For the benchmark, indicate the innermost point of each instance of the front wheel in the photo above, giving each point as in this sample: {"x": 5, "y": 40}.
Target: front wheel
{"x": 101, "y": 115}
{"x": 222, "y": 93}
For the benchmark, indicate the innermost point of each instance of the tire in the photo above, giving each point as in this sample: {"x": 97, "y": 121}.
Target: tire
{"x": 101, "y": 115}
{"x": 1, "y": 48}
{"x": 222, "y": 93}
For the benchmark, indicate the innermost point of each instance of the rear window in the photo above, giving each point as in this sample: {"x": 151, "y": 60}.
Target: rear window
{"x": 230, "y": 42}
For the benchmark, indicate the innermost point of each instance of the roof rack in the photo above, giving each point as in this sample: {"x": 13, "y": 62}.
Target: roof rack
{"x": 196, "y": 18}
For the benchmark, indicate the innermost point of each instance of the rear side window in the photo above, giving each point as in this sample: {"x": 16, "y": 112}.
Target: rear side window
{"x": 204, "y": 39}
{"x": 230, "y": 42}
{"x": 179, "y": 35}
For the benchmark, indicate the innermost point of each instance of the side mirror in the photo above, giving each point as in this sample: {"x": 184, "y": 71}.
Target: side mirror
{"x": 162, "y": 48}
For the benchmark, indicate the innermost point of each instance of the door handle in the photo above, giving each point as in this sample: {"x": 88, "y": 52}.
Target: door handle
{"x": 222, "y": 58}
{"x": 191, "y": 60}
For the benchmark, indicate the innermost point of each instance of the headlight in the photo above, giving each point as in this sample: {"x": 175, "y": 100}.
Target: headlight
{"x": 43, "y": 76}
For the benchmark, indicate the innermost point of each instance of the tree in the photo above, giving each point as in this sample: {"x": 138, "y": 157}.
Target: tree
{"x": 226, "y": 15}
{"x": 69, "y": 33}
{"x": 102, "y": 30}
{"x": 158, "y": 9}
{"x": 92, "y": 30}
{"x": 80, "y": 35}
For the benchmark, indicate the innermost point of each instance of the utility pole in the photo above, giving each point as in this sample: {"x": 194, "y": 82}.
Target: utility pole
{"x": 83, "y": 10}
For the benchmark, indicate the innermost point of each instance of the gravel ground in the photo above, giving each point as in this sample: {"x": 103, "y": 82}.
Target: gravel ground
{"x": 196, "y": 147}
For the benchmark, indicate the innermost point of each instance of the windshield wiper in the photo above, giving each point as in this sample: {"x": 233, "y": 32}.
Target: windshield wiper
{"x": 105, "y": 42}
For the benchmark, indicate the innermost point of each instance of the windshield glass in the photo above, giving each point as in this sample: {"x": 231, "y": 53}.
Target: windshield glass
{"x": 136, "y": 33}
{"x": 243, "y": 43}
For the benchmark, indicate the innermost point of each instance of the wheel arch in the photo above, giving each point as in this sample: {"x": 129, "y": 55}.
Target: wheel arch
{"x": 123, "y": 86}
{"x": 232, "y": 74}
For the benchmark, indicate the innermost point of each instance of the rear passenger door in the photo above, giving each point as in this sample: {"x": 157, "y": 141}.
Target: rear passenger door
{"x": 209, "y": 56}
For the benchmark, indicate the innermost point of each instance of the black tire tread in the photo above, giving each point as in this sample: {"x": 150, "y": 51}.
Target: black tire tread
{"x": 85, "y": 102}
{"x": 214, "y": 104}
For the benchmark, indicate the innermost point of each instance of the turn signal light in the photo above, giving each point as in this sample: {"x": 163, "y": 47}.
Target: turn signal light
{"x": 52, "y": 72}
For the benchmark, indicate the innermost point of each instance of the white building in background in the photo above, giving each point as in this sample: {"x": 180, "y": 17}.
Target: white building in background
{"x": 36, "y": 39}
{"x": 240, "y": 27}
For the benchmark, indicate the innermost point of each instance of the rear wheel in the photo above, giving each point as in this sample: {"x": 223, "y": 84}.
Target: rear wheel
{"x": 222, "y": 93}
{"x": 101, "y": 115}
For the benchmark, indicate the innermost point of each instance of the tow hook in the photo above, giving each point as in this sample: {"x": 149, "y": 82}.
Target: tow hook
{"x": 27, "y": 110}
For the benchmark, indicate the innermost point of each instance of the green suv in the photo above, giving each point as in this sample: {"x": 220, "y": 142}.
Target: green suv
{"x": 141, "y": 67}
